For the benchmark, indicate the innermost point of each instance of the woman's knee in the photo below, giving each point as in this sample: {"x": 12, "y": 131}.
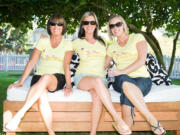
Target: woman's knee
{"x": 44, "y": 80}
{"x": 125, "y": 85}
{"x": 128, "y": 85}
{"x": 45, "y": 77}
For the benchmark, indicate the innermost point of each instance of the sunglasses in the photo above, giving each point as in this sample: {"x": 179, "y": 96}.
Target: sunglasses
{"x": 118, "y": 24}
{"x": 88, "y": 22}
{"x": 53, "y": 24}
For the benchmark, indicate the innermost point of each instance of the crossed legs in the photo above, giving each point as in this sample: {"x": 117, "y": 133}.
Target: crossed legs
{"x": 96, "y": 111}
{"x": 37, "y": 91}
{"x": 46, "y": 112}
{"x": 134, "y": 94}
{"x": 95, "y": 83}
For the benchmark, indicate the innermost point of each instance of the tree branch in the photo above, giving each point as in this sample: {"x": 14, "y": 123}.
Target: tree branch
{"x": 146, "y": 16}
{"x": 145, "y": 13}
{"x": 150, "y": 14}
{"x": 156, "y": 42}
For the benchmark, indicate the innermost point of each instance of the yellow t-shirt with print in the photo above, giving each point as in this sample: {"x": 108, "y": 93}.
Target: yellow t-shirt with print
{"x": 128, "y": 54}
{"x": 51, "y": 59}
{"x": 92, "y": 57}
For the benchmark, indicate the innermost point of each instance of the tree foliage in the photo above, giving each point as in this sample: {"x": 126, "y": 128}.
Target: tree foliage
{"x": 14, "y": 40}
{"x": 152, "y": 14}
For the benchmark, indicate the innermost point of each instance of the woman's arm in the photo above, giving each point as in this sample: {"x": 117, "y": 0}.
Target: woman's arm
{"x": 29, "y": 66}
{"x": 142, "y": 54}
{"x": 67, "y": 61}
{"x": 107, "y": 62}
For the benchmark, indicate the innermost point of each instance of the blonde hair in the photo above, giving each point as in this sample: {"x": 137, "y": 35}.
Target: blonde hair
{"x": 125, "y": 27}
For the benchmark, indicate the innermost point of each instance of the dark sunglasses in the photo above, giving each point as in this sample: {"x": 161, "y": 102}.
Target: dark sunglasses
{"x": 88, "y": 22}
{"x": 53, "y": 24}
{"x": 118, "y": 24}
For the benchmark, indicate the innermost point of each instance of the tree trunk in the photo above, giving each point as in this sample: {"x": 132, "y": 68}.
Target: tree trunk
{"x": 156, "y": 42}
{"x": 154, "y": 46}
{"x": 173, "y": 53}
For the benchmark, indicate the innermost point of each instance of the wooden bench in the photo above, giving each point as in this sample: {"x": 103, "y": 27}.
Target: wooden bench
{"x": 75, "y": 117}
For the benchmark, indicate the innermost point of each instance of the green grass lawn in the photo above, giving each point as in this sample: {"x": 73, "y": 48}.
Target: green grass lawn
{"x": 7, "y": 78}
{"x": 176, "y": 82}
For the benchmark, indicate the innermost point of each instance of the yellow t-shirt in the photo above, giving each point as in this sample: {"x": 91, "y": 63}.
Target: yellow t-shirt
{"x": 51, "y": 59}
{"x": 128, "y": 54}
{"x": 92, "y": 57}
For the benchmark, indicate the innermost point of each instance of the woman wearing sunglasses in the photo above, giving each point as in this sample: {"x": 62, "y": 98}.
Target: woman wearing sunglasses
{"x": 90, "y": 75}
{"x": 49, "y": 76}
{"x": 131, "y": 76}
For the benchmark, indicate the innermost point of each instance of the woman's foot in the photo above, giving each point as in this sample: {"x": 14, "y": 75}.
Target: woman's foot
{"x": 124, "y": 130}
{"x": 52, "y": 133}
{"x": 14, "y": 122}
{"x": 7, "y": 116}
{"x": 158, "y": 129}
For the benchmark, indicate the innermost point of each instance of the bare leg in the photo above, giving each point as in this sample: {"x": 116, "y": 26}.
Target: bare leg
{"x": 96, "y": 111}
{"x": 46, "y": 82}
{"x": 134, "y": 94}
{"x": 89, "y": 83}
{"x": 126, "y": 115}
{"x": 46, "y": 112}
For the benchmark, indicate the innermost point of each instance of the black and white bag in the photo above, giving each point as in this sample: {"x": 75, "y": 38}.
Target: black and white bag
{"x": 157, "y": 73}
{"x": 73, "y": 65}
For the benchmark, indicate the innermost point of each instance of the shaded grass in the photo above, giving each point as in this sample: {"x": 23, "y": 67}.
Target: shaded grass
{"x": 176, "y": 82}
{"x": 7, "y": 78}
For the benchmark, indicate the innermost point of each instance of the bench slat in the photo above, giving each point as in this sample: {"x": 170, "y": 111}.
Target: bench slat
{"x": 86, "y": 106}
{"x": 85, "y": 116}
{"x": 85, "y": 126}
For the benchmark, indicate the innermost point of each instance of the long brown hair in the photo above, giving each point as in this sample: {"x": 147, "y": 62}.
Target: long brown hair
{"x": 81, "y": 33}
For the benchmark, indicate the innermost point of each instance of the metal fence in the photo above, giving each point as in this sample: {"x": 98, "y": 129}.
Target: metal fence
{"x": 175, "y": 74}
{"x": 17, "y": 62}
{"x": 13, "y": 62}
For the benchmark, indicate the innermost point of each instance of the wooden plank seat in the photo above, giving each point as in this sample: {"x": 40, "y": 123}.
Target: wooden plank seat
{"x": 75, "y": 116}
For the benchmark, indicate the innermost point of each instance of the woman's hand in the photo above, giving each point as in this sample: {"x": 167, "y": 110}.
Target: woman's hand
{"x": 113, "y": 72}
{"x": 67, "y": 91}
{"x": 18, "y": 84}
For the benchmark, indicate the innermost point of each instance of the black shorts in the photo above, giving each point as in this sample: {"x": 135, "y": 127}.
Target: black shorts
{"x": 60, "y": 78}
